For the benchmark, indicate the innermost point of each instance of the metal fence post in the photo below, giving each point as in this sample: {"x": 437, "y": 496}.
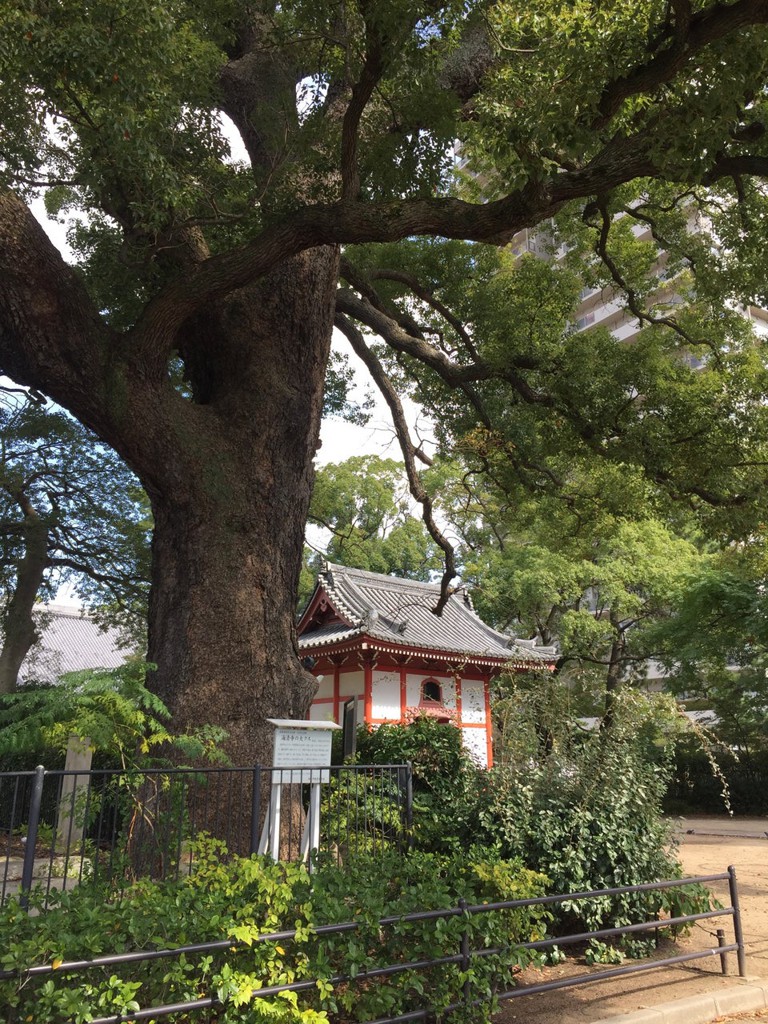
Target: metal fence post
{"x": 465, "y": 960}
{"x": 409, "y": 802}
{"x": 737, "y": 929}
{"x": 255, "y": 809}
{"x": 32, "y": 826}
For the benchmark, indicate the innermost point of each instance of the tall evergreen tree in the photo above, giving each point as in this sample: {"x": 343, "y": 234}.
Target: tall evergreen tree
{"x": 194, "y": 335}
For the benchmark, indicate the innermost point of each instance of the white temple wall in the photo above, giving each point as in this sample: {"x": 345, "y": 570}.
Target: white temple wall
{"x": 351, "y": 683}
{"x": 472, "y": 701}
{"x": 386, "y": 701}
{"x": 386, "y": 695}
{"x": 476, "y": 744}
{"x": 321, "y": 713}
{"x": 413, "y": 683}
{"x": 325, "y": 688}
{"x": 449, "y": 691}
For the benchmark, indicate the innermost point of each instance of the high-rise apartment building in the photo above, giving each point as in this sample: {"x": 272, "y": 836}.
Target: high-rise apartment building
{"x": 603, "y": 307}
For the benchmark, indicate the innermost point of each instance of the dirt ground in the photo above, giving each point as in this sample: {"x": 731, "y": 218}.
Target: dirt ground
{"x": 708, "y": 846}
{"x": 757, "y": 1015}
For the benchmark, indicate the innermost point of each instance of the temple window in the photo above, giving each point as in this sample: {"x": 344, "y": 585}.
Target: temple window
{"x": 431, "y": 692}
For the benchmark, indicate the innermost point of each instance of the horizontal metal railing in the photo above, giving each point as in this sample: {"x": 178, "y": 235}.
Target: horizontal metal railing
{"x": 59, "y": 829}
{"x": 463, "y": 957}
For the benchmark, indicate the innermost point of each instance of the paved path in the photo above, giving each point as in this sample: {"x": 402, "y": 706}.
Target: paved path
{"x": 740, "y": 998}
{"x": 691, "y": 993}
{"x": 745, "y": 828}
{"x": 710, "y": 838}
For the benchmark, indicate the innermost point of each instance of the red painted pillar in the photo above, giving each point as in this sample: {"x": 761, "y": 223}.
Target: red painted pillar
{"x": 368, "y": 680}
{"x": 337, "y": 694}
{"x": 488, "y": 720}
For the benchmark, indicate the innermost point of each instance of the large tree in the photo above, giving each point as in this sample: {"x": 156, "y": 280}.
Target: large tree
{"x": 194, "y": 335}
{"x": 70, "y": 513}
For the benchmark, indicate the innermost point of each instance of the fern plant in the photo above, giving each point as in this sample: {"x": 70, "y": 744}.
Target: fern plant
{"x": 111, "y": 708}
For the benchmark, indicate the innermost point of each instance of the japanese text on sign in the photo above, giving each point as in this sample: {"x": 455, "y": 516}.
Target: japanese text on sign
{"x": 302, "y": 748}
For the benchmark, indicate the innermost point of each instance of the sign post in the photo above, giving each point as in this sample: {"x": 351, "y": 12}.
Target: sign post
{"x": 349, "y": 720}
{"x": 302, "y": 756}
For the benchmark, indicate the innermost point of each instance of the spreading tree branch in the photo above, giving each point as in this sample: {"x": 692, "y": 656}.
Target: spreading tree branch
{"x": 423, "y": 293}
{"x": 410, "y": 454}
{"x": 687, "y": 34}
{"x": 363, "y": 283}
{"x": 634, "y": 303}
{"x": 51, "y": 334}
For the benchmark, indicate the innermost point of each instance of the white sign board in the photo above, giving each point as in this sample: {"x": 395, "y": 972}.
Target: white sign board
{"x": 302, "y": 745}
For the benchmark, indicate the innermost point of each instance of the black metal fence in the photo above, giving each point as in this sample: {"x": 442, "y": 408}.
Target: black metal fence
{"x": 464, "y": 957}
{"x": 59, "y": 829}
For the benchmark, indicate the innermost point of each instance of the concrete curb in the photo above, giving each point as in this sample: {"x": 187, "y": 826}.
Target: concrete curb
{"x": 751, "y": 994}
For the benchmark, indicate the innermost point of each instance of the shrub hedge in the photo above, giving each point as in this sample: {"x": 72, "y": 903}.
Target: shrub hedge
{"x": 588, "y": 815}
{"x": 246, "y": 898}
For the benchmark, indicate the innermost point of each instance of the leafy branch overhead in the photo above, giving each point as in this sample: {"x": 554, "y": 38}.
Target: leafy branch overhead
{"x": 566, "y": 102}
{"x": 193, "y": 336}
{"x": 512, "y": 383}
{"x": 601, "y": 99}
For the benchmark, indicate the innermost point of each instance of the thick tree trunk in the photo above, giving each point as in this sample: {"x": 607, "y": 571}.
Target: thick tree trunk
{"x": 222, "y": 614}
{"x": 229, "y": 523}
{"x": 228, "y": 467}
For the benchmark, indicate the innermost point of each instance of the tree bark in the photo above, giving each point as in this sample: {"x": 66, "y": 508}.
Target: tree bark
{"x": 19, "y": 630}
{"x": 229, "y": 532}
{"x": 613, "y": 676}
{"x": 228, "y": 467}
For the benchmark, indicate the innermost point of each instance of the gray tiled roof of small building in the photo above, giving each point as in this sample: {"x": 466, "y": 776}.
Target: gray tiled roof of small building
{"x": 330, "y": 634}
{"x": 71, "y": 641}
{"x": 399, "y": 611}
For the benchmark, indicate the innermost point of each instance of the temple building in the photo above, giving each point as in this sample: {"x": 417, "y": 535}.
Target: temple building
{"x": 377, "y": 638}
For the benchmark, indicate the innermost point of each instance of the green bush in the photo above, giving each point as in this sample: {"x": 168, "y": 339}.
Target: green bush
{"x": 435, "y": 750}
{"x": 362, "y": 814}
{"x": 445, "y": 779}
{"x": 370, "y": 890}
{"x": 589, "y": 818}
{"x": 243, "y": 899}
{"x": 586, "y": 812}
{"x": 125, "y": 723}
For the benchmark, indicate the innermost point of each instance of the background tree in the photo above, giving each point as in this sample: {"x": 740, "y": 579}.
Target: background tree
{"x": 364, "y": 510}
{"x": 593, "y": 574}
{"x": 194, "y": 338}
{"x": 717, "y": 643}
{"x": 70, "y": 513}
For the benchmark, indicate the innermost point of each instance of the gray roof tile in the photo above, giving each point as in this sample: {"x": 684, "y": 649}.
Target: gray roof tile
{"x": 399, "y": 612}
{"x": 71, "y": 641}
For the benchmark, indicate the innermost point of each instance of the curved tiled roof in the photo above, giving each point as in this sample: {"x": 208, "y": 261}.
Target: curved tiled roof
{"x": 399, "y": 612}
{"x": 70, "y": 641}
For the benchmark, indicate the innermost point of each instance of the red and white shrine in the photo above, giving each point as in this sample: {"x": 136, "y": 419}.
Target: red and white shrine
{"x": 376, "y": 638}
